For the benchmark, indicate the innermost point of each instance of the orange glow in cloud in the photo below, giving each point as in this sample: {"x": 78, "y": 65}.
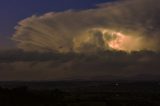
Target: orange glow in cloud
{"x": 122, "y": 42}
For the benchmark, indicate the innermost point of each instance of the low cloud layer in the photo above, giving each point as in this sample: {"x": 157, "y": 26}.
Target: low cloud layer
{"x": 127, "y": 25}
{"x": 18, "y": 65}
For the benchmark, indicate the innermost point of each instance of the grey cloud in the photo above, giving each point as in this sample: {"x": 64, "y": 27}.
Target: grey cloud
{"x": 107, "y": 65}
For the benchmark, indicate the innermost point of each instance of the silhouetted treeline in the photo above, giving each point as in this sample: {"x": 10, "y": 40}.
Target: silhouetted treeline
{"x": 23, "y": 96}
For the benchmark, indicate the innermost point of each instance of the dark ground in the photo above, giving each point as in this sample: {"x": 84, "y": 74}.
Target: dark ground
{"x": 80, "y": 93}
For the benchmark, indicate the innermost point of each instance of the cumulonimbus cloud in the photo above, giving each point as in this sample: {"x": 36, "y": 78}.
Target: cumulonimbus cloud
{"x": 127, "y": 25}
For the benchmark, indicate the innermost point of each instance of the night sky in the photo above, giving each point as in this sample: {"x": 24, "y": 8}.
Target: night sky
{"x": 79, "y": 40}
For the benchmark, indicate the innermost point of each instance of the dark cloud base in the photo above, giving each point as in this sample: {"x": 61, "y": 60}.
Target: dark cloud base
{"x": 108, "y": 65}
{"x": 73, "y": 45}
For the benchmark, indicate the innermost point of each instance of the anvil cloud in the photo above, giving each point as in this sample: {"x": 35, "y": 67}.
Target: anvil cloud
{"x": 83, "y": 31}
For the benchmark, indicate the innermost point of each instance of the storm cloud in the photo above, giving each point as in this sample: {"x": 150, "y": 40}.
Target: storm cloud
{"x": 90, "y": 44}
{"x": 127, "y": 25}
{"x": 109, "y": 65}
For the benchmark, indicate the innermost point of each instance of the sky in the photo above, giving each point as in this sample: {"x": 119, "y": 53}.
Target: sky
{"x": 12, "y": 11}
{"x": 79, "y": 40}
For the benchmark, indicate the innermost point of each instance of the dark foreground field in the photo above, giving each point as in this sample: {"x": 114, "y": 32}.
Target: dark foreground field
{"x": 80, "y": 93}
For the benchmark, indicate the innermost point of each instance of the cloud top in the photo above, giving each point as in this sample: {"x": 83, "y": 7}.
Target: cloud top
{"x": 127, "y": 25}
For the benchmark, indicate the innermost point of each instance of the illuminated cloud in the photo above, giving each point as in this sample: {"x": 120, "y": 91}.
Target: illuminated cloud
{"x": 127, "y": 25}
